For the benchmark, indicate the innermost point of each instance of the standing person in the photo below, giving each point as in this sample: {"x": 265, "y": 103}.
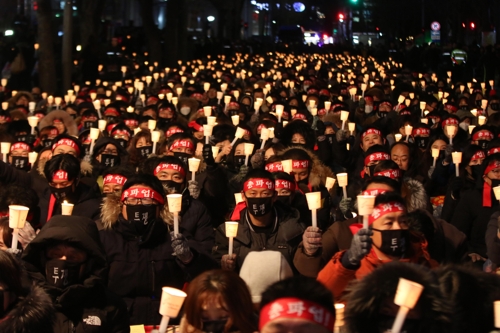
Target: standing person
{"x": 142, "y": 253}
{"x": 67, "y": 260}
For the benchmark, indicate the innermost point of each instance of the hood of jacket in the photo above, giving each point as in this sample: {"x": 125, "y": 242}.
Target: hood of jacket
{"x": 69, "y": 122}
{"x": 78, "y": 231}
{"x": 111, "y": 209}
{"x": 31, "y": 313}
{"x": 414, "y": 194}
{"x": 85, "y": 167}
{"x": 319, "y": 171}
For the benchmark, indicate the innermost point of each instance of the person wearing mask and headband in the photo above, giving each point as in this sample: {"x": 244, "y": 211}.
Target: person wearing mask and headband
{"x": 139, "y": 230}
{"x": 122, "y": 134}
{"x": 107, "y": 154}
{"x": 67, "y": 260}
{"x": 113, "y": 180}
{"x": 264, "y": 224}
{"x": 18, "y": 156}
{"x": 387, "y": 239}
{"x": 421, "y": 134}
{"x": 140, "y": 148}
{"x": 475, "y": 208}
{"x": 181, "y": 146}
{"x": 482, "y": 135}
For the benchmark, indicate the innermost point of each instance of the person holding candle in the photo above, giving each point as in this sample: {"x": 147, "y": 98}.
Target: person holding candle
{"x": 475, "y": 208}
{"x": 107, "y": 154}
{"x": 387, "y": 239}
{"x": 89, "y": 120}
{"x": 64, "y": 123}
{"x": 142, "y": 252}
{"x": 140, "y": 148}
{"x": 218, "y": 301}
{"x": 23, "y": 310}
{"x": 113, "y": 180}
{"x": 18, "y": 156}
{"x": 67, "y": 260}
{"x": 122, "y": 134}
{"x": 370, "y": 304}
{"x": 482, "y": 135}
{"x": 264, "y": 224}
{"x": 421, "y": 135}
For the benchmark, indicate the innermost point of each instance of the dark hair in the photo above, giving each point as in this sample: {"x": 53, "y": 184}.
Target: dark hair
{"x": 298, "y": 127}
{"x": 135, "y": 157}
{"x": 297, "y": 154}
{"x": 284, "y": 176}
{"x": 151, "y": 163}
{"x": 301, "y": 287}
{"x": 383, "y": 180}
{"x": 11, "y": 273}
{"x": 258, "y": 173}
{"x": 119, "y": 170}
{"x": 419, "y": 220}
{"x": 388, "y": 197}
{"x": 6, "y": 232}
{"x": 145, "y": 179}
{"x": 230, "y": 291}
{"x": 72, "y": 138}
{"x": 376, "y": 149}
{"x": 65, "y": 162}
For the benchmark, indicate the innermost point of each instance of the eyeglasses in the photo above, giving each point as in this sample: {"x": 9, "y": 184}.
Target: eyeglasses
{"x": 139, "y": 201}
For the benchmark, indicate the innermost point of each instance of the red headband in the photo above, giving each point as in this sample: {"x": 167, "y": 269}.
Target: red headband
{"x": 182, "y": 144}
{"x": 491, "y": 166}
{"x": 374, "y": 191}
{"x": 114, "y": 179}
{"x": 385, "y": 103}
{"x": 299, "y": 116}
{"x": 66, "y": 142}
{"x": 487, "y": 187}
{"x": 371, "y": 131}
{"x": 60, "y": 175}
{"x": 197, "y": 127}
{"x": 281, "y": 183}
{"x": 57, "y": 121}
{"x": 451, "y": 107}
{"x": 131, "y": 122}
{"x": 421, "y": 131}
{"x": 300, "y": 164}
{"x": 89, "y": 118}
{"x": 493, "y": 151}
{"x": 170, "y": 166}
{"x": 478, "y": 155}
{"x": 141, "y": 193}
{"x": 391, "y": 173}
{"x": 383, "y": 209}
{"x": 197, "y": 95}
{"x": 20, "y": 145}
{"x": 322, "y": 112}
{"x": 112, "y": 112}
{"x": 274, "y": 167}
{"x": 233, "y": 104}
{"x": 260, "y": 127}
{"x": 258, "y": 183}
{"x": 121, "y": 132}
{"x": 173, "y": 131}
{"x": 377, "y": 157}
{"x": 449, "y": 121}
{"x": 53, "y": 132}
{"x": 299, "y": 309}
{"x": 483, "y": 135}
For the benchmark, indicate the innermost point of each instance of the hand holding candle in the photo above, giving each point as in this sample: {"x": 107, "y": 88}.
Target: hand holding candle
{"x": 264, "y": 136}
{"x": 238, "y": 135}
{"x": 435, "y": 155}
{"x": 207, "y": 132}
{"x": 365, "y": 207}
{"x": 194, "y": 164}
{"x": 344, "y": 116}
{"x": 17, "y": 219}
{"x": 342, "y": 179}
{"x": 5, "y": 150}
{"x": 248, "y": 147}
{"x": 175, "y": 206}
{"x": 457, "y": 159}
{"x": 314, "y": 203}
{"x": 231, "y": 232}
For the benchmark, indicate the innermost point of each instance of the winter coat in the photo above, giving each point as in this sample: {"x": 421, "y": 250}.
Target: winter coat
{"x": 471, "y": 218}
{"x": 33, "y": 313}
{"x": 336, "y": 277}
{"x": 492, "y": 241}
{"x": 139, "y": 266}
{"x": 87, "y": 200}
{"x": 68, "y": 121}
{"x": 285, "y": 237}
{"x": 85, "y": 307}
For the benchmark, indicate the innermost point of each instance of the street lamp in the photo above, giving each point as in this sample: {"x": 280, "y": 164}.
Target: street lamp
{"x": 210, "y": 18}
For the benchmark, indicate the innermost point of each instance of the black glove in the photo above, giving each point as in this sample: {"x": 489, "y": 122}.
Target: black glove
{"x": 456, "y": 186}
{"x": 360, "y": 246}
{"x": 208, "y": 156}
{"x": 181, "y": 247}
{"x": 447, "y": 154}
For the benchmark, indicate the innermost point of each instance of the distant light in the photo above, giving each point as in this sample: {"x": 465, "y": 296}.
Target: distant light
{"x": 299, "y": 7}
{"x": 9, "y": 32}
{"x": 74, "y": 8}
{"x": 78, "y": 48}
{"x": 210, "y": 18}
{"x": 60, "y": 33}
{"x": 274, "y": 22}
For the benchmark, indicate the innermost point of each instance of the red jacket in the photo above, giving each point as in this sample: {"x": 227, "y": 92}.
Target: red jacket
{"x": 336, "y": 277}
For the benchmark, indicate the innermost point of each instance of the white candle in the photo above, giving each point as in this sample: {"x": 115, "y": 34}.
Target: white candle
{"x": 17, "y": 220}
{"x": 66, "y": 208}
{"x": 175, "y": 206}
{"x": 248, "y": 147}
{"x": 314, "y": 203}
{"x": 342, "y": 179}
{"x": 365, "y": 207}
{"x": 170, "y": 305}
{"x": 194, "y": 164}
{"x": 231, "y": 232}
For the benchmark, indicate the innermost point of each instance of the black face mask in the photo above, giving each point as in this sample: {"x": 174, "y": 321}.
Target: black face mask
{"x": 495, "y": 106}
{"x": 482, "y": 143}
{"x": 285, "y": 199}
{"x": 141, "y": 216}
{"x": 234, "y": 112}
{"x": 61, "y": 274}
{"x": 300, "y": 145}
{"x": 20, "y": 162}
{"x": 330, "y": 138}
{"x": 304, "y": 181}
{"x": 110, "y": 160}
{"x": 86, "y": 149}
{"x": 442, "y": 154}
{"x": 382, "y": 114}
{"x": 478, "y": 103}
{"x": 22, "y": 138}
{"x": 47, "y": 143}
{"x": 394, "y": 242}
{"x": 145, "y": 151}
{"x": 90, "y": 124}
{"x": 62, "y": 194}
{"x": 464, "y": 107}
{"x": 110, "y": 119}
{"x": 73, "y": 115}
{"x": 495, "y": 182}
{"x": 238, "y": 160}
{"x": 476, "y": 171}
{"x": 183, "y": 157}
{"x": 172, "y": 187}
{"x": 122, "y": 142}
{"x": 213, "y": 326}
{"x": 422, "y": 142}
{"x": 259, "y": 206}
{"x": 371, "y": 168}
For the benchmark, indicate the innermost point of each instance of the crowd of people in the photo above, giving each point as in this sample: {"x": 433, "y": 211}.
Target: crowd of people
{"x": 152, "y": 167}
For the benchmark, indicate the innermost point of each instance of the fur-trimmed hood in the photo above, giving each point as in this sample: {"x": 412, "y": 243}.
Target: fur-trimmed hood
{"x": 414, "y": 194}
{"x": 319, "y": 171}
{"x": 111, "y": 209}
{"x": 31, "y": 313}
{"x": 69, "y": 122}
{"x": 85, "y": 167}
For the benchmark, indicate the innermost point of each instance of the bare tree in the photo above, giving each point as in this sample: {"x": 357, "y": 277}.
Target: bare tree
{"x": 151, "y": 31}
{"x": 46, "y": 64}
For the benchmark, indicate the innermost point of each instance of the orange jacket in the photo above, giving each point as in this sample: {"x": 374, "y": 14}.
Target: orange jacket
{"x": 336, "y": 277}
